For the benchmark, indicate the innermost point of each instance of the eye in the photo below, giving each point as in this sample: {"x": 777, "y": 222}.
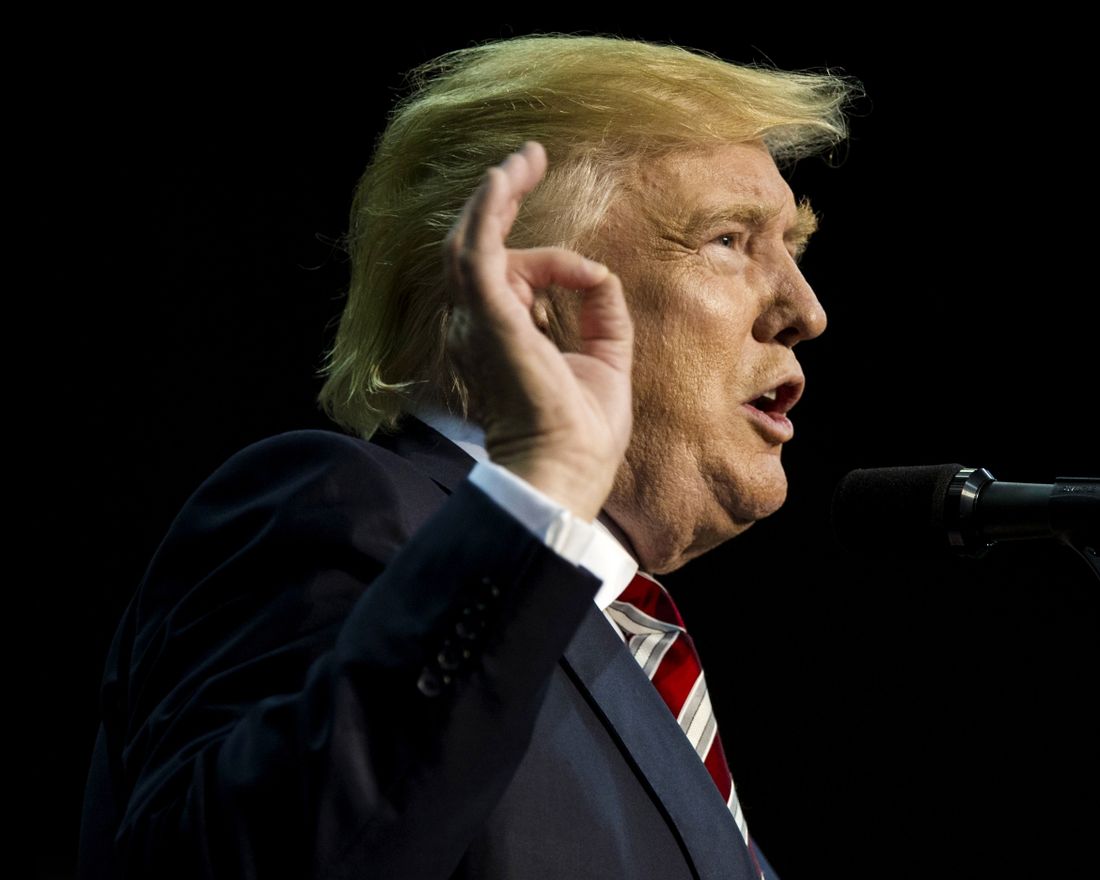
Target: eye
{"x": 729, "y": 239}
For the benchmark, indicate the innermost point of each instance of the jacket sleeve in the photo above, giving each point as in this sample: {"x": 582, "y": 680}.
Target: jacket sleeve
{"x": 330, "y": 670}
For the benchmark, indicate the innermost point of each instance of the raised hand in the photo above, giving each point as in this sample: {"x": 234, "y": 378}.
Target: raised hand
{"x": 560, "y": 420}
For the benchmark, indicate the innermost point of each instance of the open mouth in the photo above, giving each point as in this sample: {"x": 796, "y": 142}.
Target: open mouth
{"x": 768, "y": 411}
{"x": 778, "y": 400}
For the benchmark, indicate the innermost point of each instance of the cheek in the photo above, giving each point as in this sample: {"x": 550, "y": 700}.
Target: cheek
{"x": 717, "y": 331}
{"x": 722, "y": 313}
{"x": 690, "y": 335}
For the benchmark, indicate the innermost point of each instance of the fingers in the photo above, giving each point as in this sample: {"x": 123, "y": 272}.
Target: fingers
{"x": 494, "y": 207}
{"x": 523, "y": 169}
{"x": 543, "y": 266}
{"x": 606, "y": 328}
{"x": 484, "y": 268}
{"x": 483, "y": 273}
{"x": 487, "y": 216}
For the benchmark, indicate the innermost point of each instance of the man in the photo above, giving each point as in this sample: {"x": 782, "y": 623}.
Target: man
{"x": 371, "y": 657}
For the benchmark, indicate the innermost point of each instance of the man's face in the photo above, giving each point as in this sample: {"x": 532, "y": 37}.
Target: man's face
{"x": 706, "y": 249}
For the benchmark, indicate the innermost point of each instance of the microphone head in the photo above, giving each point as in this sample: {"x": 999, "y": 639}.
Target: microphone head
{"x": 894, "y": 511}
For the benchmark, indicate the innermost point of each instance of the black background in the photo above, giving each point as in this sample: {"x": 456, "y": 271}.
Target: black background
{"x": 882, "y": 720}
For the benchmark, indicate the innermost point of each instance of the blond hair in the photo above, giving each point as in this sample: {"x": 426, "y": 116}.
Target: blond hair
{"x": 600, "y": 106}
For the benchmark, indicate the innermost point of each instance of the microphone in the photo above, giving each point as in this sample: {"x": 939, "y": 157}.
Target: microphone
{"x": 931, "y": 509}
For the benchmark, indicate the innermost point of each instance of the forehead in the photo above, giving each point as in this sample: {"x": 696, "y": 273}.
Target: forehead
{"x": 719, "y": 177}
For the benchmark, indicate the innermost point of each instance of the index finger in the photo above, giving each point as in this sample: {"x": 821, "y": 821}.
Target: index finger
{"x": 488, "y": 215}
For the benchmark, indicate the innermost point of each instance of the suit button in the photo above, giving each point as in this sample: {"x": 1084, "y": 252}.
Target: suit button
{"x": 489, "y": 589}
{"x": 470, "y": 624}
{"x": 451, "y": 656}
{"x": 429, "y": 684}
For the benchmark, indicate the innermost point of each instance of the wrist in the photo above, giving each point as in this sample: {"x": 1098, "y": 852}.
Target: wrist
{"x": 582, "y": 497}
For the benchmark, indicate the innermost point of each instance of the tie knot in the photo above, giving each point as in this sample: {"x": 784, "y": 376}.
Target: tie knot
{"x": 650, "y": 597}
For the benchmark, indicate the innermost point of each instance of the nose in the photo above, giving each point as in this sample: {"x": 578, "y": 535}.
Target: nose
{"x": 791, "y": 311}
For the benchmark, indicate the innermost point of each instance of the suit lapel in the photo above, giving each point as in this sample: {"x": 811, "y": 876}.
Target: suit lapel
{"x": 651, "y": 739}
{"x": 619, "y": 692}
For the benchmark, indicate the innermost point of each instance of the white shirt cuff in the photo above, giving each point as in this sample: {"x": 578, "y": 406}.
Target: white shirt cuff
{"x": 587, "y": 544}
{"x": 557, "y": 526}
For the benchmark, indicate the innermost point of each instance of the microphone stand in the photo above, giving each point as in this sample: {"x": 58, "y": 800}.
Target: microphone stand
{"x": 1075, "y": 513}
{"x": 1069, "y": 511}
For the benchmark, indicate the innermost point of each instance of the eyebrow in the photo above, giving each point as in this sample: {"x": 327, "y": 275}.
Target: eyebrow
{"x": 755, "y": 215}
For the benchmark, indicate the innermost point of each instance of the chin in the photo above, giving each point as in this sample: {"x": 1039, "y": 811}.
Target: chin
{"x": 759, "y": 494}
{"x": 695, "y": 511}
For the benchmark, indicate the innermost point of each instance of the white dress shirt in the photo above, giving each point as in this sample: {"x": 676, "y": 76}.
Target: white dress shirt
{"x": 582, "y": 543}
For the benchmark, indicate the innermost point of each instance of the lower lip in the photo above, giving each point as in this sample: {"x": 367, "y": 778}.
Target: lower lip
{"x": 775, "y": 427}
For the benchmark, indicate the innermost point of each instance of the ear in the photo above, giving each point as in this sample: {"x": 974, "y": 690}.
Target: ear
{"x": 554, "y": 317}
{"x": 540, "y": 312}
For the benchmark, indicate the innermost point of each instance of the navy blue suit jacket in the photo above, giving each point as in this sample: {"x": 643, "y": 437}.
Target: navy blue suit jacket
{"x": 346, "y": 661}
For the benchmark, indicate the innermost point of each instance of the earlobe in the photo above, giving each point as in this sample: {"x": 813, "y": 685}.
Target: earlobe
{"x": 540, "y": 314}
{"x": 554, "y": 314}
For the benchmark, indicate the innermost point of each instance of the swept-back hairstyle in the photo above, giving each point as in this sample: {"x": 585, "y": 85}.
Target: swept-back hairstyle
{"x": 600, "y": 106}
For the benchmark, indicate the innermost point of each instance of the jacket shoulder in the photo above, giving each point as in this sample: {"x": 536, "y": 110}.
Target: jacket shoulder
{"x": 313, "y": 467}
{"x": 300, "y": 498}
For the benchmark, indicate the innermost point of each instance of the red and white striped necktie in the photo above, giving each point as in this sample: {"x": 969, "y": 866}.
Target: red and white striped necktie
{"x": 656, "y": 636}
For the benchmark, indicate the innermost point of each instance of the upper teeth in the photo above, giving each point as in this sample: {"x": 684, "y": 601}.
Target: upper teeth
{"x": 769, "y": 395}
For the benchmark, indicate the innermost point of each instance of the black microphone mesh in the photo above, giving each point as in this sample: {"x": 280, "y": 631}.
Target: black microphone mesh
{"x": 894, "y": 511}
